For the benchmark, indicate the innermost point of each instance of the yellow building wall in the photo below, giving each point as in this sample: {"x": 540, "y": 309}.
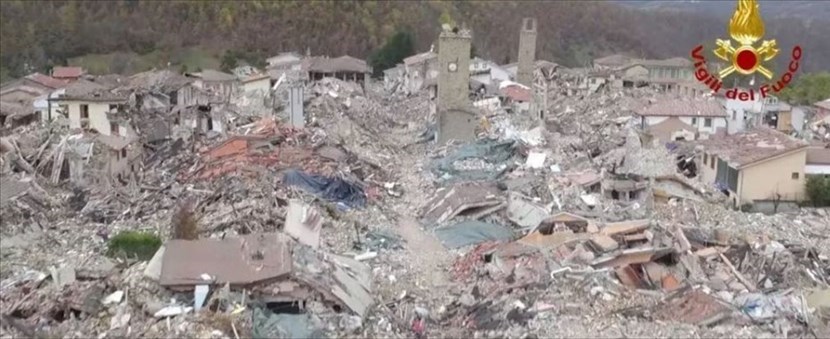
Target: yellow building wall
{"x": 763, "y": 181}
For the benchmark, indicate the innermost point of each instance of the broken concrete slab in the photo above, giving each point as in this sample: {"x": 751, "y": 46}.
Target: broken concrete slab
{"x": 303, "y": 223}
{"x": 338, "y": 279}
{"x": 625, "y": 227}
{"x": 602, "y": 243}
{"x": 63, "y": 275}
{"x": 153, "y": 269}
{"x": 101, "y": 268}
{"x": 523, "y": 212}
{"x": 447, "y": 203}
{"x": 553, "y": 240}
{"x": 472, "y": 232}
{"x": 239, "y": 261}
{"x": 536, "y": 160}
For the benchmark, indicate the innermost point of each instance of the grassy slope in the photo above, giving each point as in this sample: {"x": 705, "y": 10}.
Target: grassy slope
{"x": 128, "y": 63}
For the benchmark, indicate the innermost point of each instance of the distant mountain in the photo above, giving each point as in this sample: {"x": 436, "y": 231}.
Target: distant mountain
{"x": 798, "y": 9}
{"x": 37, "y": 34}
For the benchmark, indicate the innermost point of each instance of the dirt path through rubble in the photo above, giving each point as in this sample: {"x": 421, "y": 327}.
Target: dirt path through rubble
{"x": 431, "y": 258}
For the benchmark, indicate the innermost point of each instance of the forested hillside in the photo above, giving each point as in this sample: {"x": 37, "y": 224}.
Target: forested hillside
{"x": 37, "y": 34}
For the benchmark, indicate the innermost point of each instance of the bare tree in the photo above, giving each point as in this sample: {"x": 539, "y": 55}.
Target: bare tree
{"x": 184, "y": 223}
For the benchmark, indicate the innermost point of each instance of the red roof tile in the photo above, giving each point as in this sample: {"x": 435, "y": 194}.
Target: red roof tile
{"x": 751, "y": 146}
{"x": 67, "y": 72}
{"x": 516, "y": 93}
{"x": 46, "y": 80}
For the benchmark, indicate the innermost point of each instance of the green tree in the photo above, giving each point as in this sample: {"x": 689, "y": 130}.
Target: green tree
{"x": 446, "y": 18}
{"x": 808, "y": 89}
{"x": 230, "y": 60}
{"x": 397, "y": 47}
{"x": 818, "y": 190}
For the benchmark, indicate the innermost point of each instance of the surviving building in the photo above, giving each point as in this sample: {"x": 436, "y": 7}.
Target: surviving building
{"x": 527, "y": 52}
{"x": 704, "y": 117}
{"x": 760, "y": 166}
{"x": 218, "y": 83}
{"x": 68, "y": 73}
{"x": 90, "y": 105}
{"x": 345, "y": 68}
{"x": 456, "y": 118}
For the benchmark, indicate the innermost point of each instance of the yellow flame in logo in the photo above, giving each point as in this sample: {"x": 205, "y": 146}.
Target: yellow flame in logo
{"x": 746, "y": 25}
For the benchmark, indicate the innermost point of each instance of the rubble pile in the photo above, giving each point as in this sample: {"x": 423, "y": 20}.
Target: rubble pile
{"x": 573, "y": 225}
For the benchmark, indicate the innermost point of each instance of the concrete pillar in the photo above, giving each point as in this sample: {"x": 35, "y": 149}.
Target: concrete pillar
{"x": 527, "y": 52}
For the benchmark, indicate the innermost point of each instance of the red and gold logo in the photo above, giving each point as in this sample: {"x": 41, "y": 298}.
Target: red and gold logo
{"x": 747, "y": 56}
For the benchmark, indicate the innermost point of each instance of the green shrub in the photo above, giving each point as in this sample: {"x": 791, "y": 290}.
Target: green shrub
{"x": 818, "y": 190}
{"x": 134, "y": 245}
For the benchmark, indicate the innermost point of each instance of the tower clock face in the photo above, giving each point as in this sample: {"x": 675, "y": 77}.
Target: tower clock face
{"x": 452, "y": 67}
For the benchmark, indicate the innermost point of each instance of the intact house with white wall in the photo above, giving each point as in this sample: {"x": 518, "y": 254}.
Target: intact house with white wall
{"x": 760, "y": 166}
{"x": 704, "y": 117}
{"x": 91, "y": 106}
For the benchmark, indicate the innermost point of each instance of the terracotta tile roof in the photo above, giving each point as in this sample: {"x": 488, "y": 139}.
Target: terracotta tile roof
{"x": 163, "y": 80}
{"x": 46, "y": 80}
{"x": 684, "y": 108}
{"x": 748, "y": 147}
{"x": 665, "y": 128}
{"x": 86, "y": 90}
{"x": 516, "y": 93}
{"x": 341, "y": 64}
{"x": 818, "y": 156}
{"x": 67, "y": 72}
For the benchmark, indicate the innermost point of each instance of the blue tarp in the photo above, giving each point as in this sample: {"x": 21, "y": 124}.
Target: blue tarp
{"x": 472, "y": 232}
{"x": 495, "y": 153}
{"x": 267, "y": 324}
{"x": 332, "y": 189}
